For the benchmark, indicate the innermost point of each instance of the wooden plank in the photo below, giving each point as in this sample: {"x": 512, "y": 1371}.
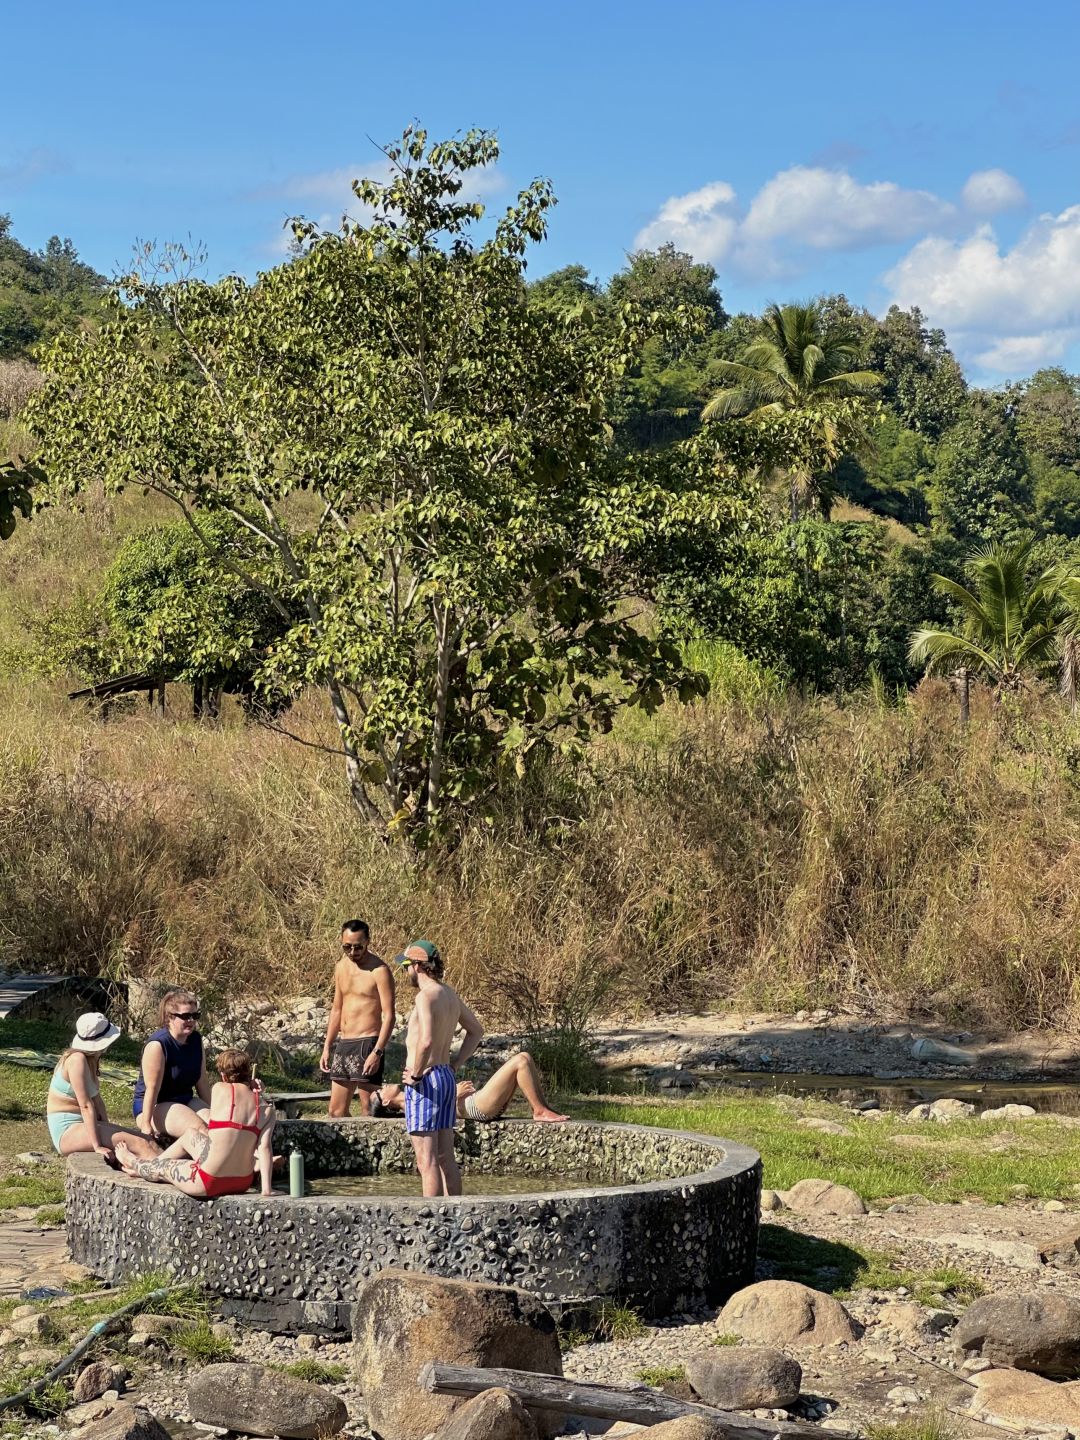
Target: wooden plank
{"x": 634, "y": 1403}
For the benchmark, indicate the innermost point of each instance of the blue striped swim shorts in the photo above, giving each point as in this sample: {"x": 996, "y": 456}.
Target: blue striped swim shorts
{"x": 432, "y": 1103}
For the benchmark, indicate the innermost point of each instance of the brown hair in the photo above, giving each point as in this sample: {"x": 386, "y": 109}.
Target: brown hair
{"x": 168, "y": 1004}
{"x": 234, "y": 1066}
{"x": 433, "y": 966}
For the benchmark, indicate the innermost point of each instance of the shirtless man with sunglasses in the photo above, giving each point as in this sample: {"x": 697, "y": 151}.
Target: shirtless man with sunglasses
{"x": 361, "y": 1021}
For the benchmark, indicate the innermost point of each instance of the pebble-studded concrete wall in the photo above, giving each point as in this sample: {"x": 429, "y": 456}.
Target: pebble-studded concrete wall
{"x": 672, "y": 1223}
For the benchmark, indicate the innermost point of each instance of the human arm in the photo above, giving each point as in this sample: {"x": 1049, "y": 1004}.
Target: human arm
{"x": 474, "y": 1033}
{"x": 265, "y": 1148}
{"x": 420, "y": 1039}
{"x": 384, "y": 984}
{"x": 153, "y": 1069}
{"x": 202, "y": 1085}
{"x": 333, "y": 1024}
{"x": 78, "y": 1072}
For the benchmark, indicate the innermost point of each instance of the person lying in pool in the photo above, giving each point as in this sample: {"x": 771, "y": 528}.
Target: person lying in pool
{"x": 489, "y": 1102}
{"x": 220, "y": 1159}
{"x": 74, "y": 1110}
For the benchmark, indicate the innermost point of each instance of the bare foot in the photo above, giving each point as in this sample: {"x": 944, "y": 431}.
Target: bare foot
{"x": 548, "y": 1117}
{"x": 125, "y": 1155}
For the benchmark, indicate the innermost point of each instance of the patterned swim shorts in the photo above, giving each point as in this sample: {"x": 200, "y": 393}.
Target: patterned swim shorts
{"x": 431, "y": 1104}
{"x": 347, "y": 1061}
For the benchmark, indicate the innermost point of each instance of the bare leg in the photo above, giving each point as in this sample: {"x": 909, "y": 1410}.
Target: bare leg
{"x": 175, "y": 1167}
{"x": 340, "y": 1099}
{"x": 363, "y": 1097}
{"x": 425, "y": 1148}
{"x": 517, "y": 1073}
{"x": 76, "y": 1139}
{"x": 449, "y": 1169}
{"x": 174, "y": 1119}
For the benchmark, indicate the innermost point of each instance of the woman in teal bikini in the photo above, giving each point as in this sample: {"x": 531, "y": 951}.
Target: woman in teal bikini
{"x": 74, "y": 1111}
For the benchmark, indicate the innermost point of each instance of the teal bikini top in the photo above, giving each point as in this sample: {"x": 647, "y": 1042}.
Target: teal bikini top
{"x": 63, "y": 1087}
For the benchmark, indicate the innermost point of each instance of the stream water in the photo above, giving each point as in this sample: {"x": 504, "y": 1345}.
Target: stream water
{"x": 475, "y": 1184}
{"x": 902, "y": 1094}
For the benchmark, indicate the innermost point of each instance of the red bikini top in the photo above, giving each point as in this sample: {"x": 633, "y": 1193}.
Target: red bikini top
{"x": 232, "y": 1124}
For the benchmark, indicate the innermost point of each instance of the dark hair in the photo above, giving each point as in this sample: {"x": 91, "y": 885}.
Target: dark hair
{"x": 357, "y": 925}
{"x": 433, "y": 966}
{"x": 234, "y": 1066}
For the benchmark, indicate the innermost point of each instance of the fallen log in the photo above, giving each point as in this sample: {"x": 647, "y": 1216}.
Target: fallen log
{"x": 636, "y": 1403}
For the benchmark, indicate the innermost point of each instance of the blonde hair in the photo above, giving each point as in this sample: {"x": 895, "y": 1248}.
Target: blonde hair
{"x": 92, "y": 1058}
{"x": 234, "y": 1067}
{"x": 168, "y": 1002}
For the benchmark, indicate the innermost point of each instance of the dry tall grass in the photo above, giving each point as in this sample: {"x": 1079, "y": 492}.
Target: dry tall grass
{"x": 779, "y": 854}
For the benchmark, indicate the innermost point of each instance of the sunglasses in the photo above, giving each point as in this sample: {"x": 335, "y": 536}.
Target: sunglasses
{"x": 185, "y": 1015}
{"x": 354, "y": 945}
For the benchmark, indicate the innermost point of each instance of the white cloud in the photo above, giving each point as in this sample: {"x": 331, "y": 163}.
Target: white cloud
{"x": 829, "y": 210}
{"x": 1007, "y": 309}
{"x": 804, "y": 207}
{"x": 703, "y": 223}
{"x": 990, "y": 192}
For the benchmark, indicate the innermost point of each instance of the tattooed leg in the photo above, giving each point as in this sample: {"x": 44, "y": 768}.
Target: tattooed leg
{"x": 172, "y": 1165}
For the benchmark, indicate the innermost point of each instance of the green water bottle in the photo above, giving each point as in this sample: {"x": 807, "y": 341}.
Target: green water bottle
{"x": 296, "y": 1175}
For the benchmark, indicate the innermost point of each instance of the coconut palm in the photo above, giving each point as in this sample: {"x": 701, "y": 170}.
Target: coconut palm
{"x": 1068, "y": 639}
{"x": 1008, "y": 619}
{"x": 800, "y": 364}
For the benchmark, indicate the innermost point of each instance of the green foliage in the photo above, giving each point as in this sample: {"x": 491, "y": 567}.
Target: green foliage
{"x": 17, "y": 482}
{"x": 201, "y": 1344}
{"x": 923, "y": 383}
{"x": 50, "y": 1215}
{"x": 979, "y": 488}
{"x": 927, "y": 1425}
{"x": 616, "y": 1322}
{"x": 315, "y": 1372}
{"x": 806, "y": 365}
{"x": 452, "y": 581}
{"x": 893, "y": 476}
{"x": 1008, "y": 618}
{"x": 660, "y": 1375}
{"x": 41, "y": 292}
{"x": 726, "y": 1339}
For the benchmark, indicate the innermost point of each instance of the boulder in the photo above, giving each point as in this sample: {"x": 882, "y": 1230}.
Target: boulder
{"x": 686, "y": 1427}
{"x": 782, "y": 1312}
{"x": 826, "y": 1127}
{"x": 770, "y": 1200}
{"x": 36, "y": 1325}
{"x": 1027, "y": 1332}
{"x": 823, "y": 1197}
{"x": 910, "y": 1322}
{"x": 491, "y": 1415}
{"x": 747, "y": 1377}
{"x": 1009, "y": 1112}
{"x": 1063, "y": 1251}
{"x": 1019, "y": 1398}
{"x": 402, "y": 1320}
{"x": 944, "y": 1111}
{"x": 256, "y": 1400}
{"x": 129, "y": 1422}
{"x": 94, "y": 1380}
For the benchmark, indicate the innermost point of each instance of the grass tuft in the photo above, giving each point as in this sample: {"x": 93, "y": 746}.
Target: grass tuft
{"x": 201, "y": 1344}
{"x": 727, "y": 1339}
{"x": 934, "y": 1424}
{"x": 660, "y": 1375}
{"x": 617, "y": 1322}
{"x": 315, "y": 1372}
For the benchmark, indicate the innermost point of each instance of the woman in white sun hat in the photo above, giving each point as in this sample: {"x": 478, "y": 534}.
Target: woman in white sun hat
{"x": 75, "y": 1113}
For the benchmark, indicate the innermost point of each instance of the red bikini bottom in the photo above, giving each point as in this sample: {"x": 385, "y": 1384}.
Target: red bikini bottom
{"x": 216, "y": 1185}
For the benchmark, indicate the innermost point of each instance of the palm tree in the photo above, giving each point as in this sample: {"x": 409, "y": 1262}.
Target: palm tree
{"x": 1068, "y": 639}
{"x": 1009, "y": 620}
{"x": 800, "y": 364}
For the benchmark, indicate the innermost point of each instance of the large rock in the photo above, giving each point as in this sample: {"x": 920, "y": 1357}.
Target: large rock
{"x": 129, "y": 1422}
{"x": 910, "y": 1322}
{"x": 751, "y": 1377}
{"x": 491, "y": 1415}
{"x": 258, "y": 1401}
{"x": 1062, "y": 1250}
{"x": 95, "y": 1379}
{"x": 945, "y": 1111}
{"x": 1009, "y": 1112}
{"x": 686, "y": 1427}
{"x": 1017, "y": 1397}
{"x": 782, "y": 1312}
{"x": 1028, "y": 1332}
{"x": 822, "y": 1197}
{"x": 402, "y": 1320}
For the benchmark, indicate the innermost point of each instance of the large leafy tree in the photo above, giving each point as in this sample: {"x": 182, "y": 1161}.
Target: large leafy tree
{"x": 41, "y": 292}
{"x": 1007, "y": 619}
{"x": 801, "y": 365}
{"x": 979, "y": 488}
{"x": 422, "y": 460}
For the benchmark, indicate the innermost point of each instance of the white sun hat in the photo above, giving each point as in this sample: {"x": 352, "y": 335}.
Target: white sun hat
{"x": 93, "y": 1032}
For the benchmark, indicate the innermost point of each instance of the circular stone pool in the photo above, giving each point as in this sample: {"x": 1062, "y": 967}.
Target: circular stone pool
{"x": 667, "y": 1220}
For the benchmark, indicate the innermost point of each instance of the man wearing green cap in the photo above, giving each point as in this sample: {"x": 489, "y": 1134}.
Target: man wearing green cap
{"x": 429, "y": 1076}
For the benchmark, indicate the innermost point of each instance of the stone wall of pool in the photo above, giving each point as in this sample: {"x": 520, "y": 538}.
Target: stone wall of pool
{"x": 668, "y": 1222}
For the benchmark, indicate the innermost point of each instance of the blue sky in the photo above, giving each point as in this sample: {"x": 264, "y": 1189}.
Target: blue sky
{"x": 923, "y": 153}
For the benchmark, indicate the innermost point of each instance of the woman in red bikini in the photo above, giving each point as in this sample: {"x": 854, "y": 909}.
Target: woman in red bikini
{"x": 220, "y": 1160}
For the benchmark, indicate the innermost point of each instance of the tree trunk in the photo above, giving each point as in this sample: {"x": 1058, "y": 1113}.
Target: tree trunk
{"x": 362, "y": 801}
{"x": 197, "y": 699}
{"x": 442, "y": 701}
{"x": 963, "y": 688}
{"x": 637, "y": 1404}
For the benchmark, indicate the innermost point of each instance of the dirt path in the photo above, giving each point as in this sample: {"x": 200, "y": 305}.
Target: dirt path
{"x": 29, "y": 1255}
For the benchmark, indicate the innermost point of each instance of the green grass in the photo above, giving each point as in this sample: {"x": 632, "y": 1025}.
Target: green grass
{"x": 201, "y": 1344}
{"x": 727, "y": 1339}
{"x": 50, "y": 1215}
{"x": 930, "y": 1425}
{"x": 841, "y": 1268}
{"x": 616, "y": 1322}
{"x": 658, "y": 1375}
{"x": 953, "y": 1162}
{"x": 40, "y": 1187}
{"x": 315, "y": 1372}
